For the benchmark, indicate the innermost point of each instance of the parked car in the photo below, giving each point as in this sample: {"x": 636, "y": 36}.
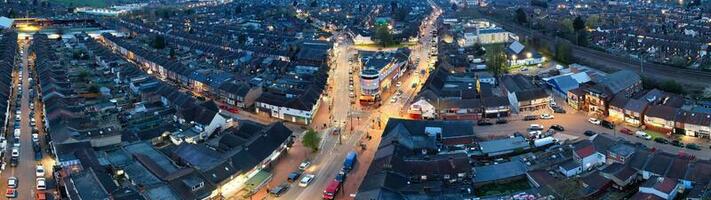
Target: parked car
{"x": 626, "y": 131}
{"x": 39, "y": 171}
{"x": 306, "y": 180}
{"x": 11, "y": 193}
{"x": 546, "y": 116}
{"x": 12, "y": 182}
{"x": 643, "y": 135}
{"x": 677, "y": 143}
{"x": 484, "y": 122}
{"x": 557, "y": 127}
{"x": 279, "y": 189}
{"x": 661, "y": 140}
{"x": 341, "y": 176}
{"x": 557, "y": 109}
{"x": 530, "y": 118}
{"x": 589, "y": 133}
{"x": 594, "y": 121}
{"x": 607, "y": 124}
{"x": 693, "y": 146}
{"x": 305, "y": 164}
{"x": 41, "y": 184}
{"x": 535, "y": 127}
{"x": 501, "y": 121}
{"x": 293, "y": 176}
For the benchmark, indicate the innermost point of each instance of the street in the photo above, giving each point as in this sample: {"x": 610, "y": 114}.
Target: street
{"x": 25, "y": 170}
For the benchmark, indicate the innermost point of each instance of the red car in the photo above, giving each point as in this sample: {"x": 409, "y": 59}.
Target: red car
{"x": 626, "y": 131}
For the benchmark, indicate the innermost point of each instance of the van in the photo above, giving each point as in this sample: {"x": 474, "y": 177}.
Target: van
{"x": 17, "y": 132}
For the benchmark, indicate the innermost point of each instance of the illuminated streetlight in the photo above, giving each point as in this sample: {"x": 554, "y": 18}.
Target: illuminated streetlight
{"x": 529, "y": 55}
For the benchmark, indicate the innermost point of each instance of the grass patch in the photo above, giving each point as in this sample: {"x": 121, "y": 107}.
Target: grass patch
{"x": 503, "y": 189}
{"x": 80, "y": 3}
{"x": 655, "y": 134}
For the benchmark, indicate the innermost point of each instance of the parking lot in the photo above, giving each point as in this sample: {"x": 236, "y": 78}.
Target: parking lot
{"x": 576, "y": 123}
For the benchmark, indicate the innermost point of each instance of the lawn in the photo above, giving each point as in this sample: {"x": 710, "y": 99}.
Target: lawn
{"x": 503, "y": 189}
{"x": 655, "y": 134}
{"x": 79, "y": 3}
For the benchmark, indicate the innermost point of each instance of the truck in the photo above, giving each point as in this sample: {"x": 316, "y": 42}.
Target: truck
{"x": 350, "y": 161}
{"x": 331, "y": 189}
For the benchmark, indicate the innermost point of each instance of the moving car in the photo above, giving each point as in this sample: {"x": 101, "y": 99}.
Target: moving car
{"x": 557, "y": 109}
{"x": 306, "y": 180}
{"x": 643, "y": 135}
{"x": 15, "y": 152}
{"x": 341, "y": 176}
{"x": 594, "y": 121}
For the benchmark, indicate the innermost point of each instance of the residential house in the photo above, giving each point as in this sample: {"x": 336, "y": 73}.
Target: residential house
{"x": 520, "y": 55}
{"x": 621, "y": 175}
{"x": 239, "y": 95}
{"x": 598, "y": 97}
{"x": 662, "y": 187}
{"x": 660, "y": 118}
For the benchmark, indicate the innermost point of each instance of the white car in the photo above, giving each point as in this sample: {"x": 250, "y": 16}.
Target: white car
{"x": 15, "y": 152}
{"x": 546, "y": 116}
{"x": 594, "y": 121}
{"x": 535, "y": 127}
{"x": 643, "y": 135}
{"x": 12, "y": 182}
{"x": 41, "y": 184}
{"x": 35, "y": 137}
{"x": 39, "y": 171}
{"x": 393, "y": 100}
{"x": 306, "y": 180}
{"x": 304, "y": 165}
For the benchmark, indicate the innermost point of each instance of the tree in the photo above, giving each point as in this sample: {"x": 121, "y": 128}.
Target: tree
{"x": 593, "y": 21}
{"x": 521, "y": 16}
{"x": 496, "y": 61}
{"x": 172, "y": 53}
{"x": 583, "y": 38}
{"x": 311, "y": 140}
{"x": 393, "y": 6}
{"x": 672, "y": 86}
{"x": 563, "y": 52}
{"x": 578, "y": 24}
{"x": 314, "y": 3}
{"x": 158, "y": 42}
{"x": 383, "y": 35}
{"x": 565, "y": 26}
{"x": 454, "y": 6}
{"x": 295, "y": 3}
{"x": 678, "y": 61}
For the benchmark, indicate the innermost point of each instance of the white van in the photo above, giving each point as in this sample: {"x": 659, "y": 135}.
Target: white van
{"x": 17, "y": 132}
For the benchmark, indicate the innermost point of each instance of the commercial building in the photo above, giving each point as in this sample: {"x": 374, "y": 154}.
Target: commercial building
{"x": 380, "y": 71}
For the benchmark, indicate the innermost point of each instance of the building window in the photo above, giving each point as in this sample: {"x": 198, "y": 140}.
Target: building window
{"x": 423, "y": 177}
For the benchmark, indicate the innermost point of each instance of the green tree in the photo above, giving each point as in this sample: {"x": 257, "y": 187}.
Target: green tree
{"x": 158, "y": 42}
{"x": 593, "y": 21}
{"x": 566, "y": 26}
{"x": 521, "y": 16}
{"x": 578, "y": 24}
{"x": 672, "y": 86}
{"x": 583, "y": 38}
{"x": 314, "y": 3}
{"x": 311, "y": 140}
{"x": 678, "y": 61}
{"x": 496, "y": 61}
{"x": 563, "y": 52}
{"x": 383, "y": 35}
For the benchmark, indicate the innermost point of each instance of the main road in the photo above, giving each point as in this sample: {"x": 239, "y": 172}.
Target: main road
{"x": 354, "y": 121}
